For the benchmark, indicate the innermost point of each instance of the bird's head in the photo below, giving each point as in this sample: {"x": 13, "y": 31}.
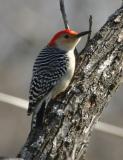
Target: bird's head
{"x": 66, "y": 39}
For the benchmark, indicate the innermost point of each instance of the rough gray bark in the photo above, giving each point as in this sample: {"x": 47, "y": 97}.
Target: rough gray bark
{"x": 67, "y": 125}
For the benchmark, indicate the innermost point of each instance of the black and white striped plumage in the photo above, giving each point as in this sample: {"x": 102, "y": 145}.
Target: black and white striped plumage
{"x": 51, "y": 75}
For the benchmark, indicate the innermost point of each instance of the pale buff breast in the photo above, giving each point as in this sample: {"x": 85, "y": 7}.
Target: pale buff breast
{"x": 64, "y": 82}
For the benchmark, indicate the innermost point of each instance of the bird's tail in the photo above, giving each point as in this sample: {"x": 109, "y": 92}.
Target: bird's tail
{"x": 40, "y": 114}
{"x": 29, "y": 111}
{"x": 37, "y": 111}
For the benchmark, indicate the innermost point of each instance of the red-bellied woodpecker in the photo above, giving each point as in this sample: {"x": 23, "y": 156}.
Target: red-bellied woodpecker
{"x": 53, "y": 69}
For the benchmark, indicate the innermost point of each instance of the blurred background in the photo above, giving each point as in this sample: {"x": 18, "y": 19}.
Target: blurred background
{"x": 25, "y": 27}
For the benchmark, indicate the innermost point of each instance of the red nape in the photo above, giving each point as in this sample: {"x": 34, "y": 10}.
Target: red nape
{"x": 57, "y": 35}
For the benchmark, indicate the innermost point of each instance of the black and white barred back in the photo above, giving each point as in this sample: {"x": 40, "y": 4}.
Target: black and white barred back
{"x": 50, "y": 65}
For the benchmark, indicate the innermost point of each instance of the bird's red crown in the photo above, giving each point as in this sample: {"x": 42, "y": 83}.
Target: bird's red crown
{"x": 58, "y": 34}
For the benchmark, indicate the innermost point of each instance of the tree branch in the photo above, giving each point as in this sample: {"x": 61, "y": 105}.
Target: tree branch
{"x": 67, "y": 125}
{"x": 90, "y": 29}
{"x": 23, "y": 104}
{"x": 66, "y": 24}
{"x": 64, "y": 16}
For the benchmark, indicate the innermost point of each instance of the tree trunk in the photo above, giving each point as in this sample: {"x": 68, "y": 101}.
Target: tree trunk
{"x": 68, "y": 122}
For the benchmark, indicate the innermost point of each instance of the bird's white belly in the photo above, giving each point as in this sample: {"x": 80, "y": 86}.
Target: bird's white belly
{"x": 65, "y": 80}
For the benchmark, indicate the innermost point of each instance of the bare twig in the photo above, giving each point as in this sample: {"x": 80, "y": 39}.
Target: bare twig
{"x": 108, "y": 128}
{"x": 64, "y": 16}
{"x": 90, "y": 29}
{"x": 100, "y": 126}
{"x": 66, "y": 24}
{"x": 19, "y": 102}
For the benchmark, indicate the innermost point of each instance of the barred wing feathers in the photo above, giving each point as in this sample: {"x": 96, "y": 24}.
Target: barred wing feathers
{"x": 49, "y": 67}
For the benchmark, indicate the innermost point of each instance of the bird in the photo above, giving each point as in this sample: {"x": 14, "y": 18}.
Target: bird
{"x": 53, "y": 69}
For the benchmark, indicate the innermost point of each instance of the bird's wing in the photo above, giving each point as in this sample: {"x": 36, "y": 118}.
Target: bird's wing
{"x": 49, "y": 67}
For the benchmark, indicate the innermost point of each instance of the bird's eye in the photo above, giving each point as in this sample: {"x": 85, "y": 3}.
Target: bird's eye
{"x": 66, "y": 36}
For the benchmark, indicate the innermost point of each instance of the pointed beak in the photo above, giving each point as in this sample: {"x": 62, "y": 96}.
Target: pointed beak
{"x": 82, "y": 34}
